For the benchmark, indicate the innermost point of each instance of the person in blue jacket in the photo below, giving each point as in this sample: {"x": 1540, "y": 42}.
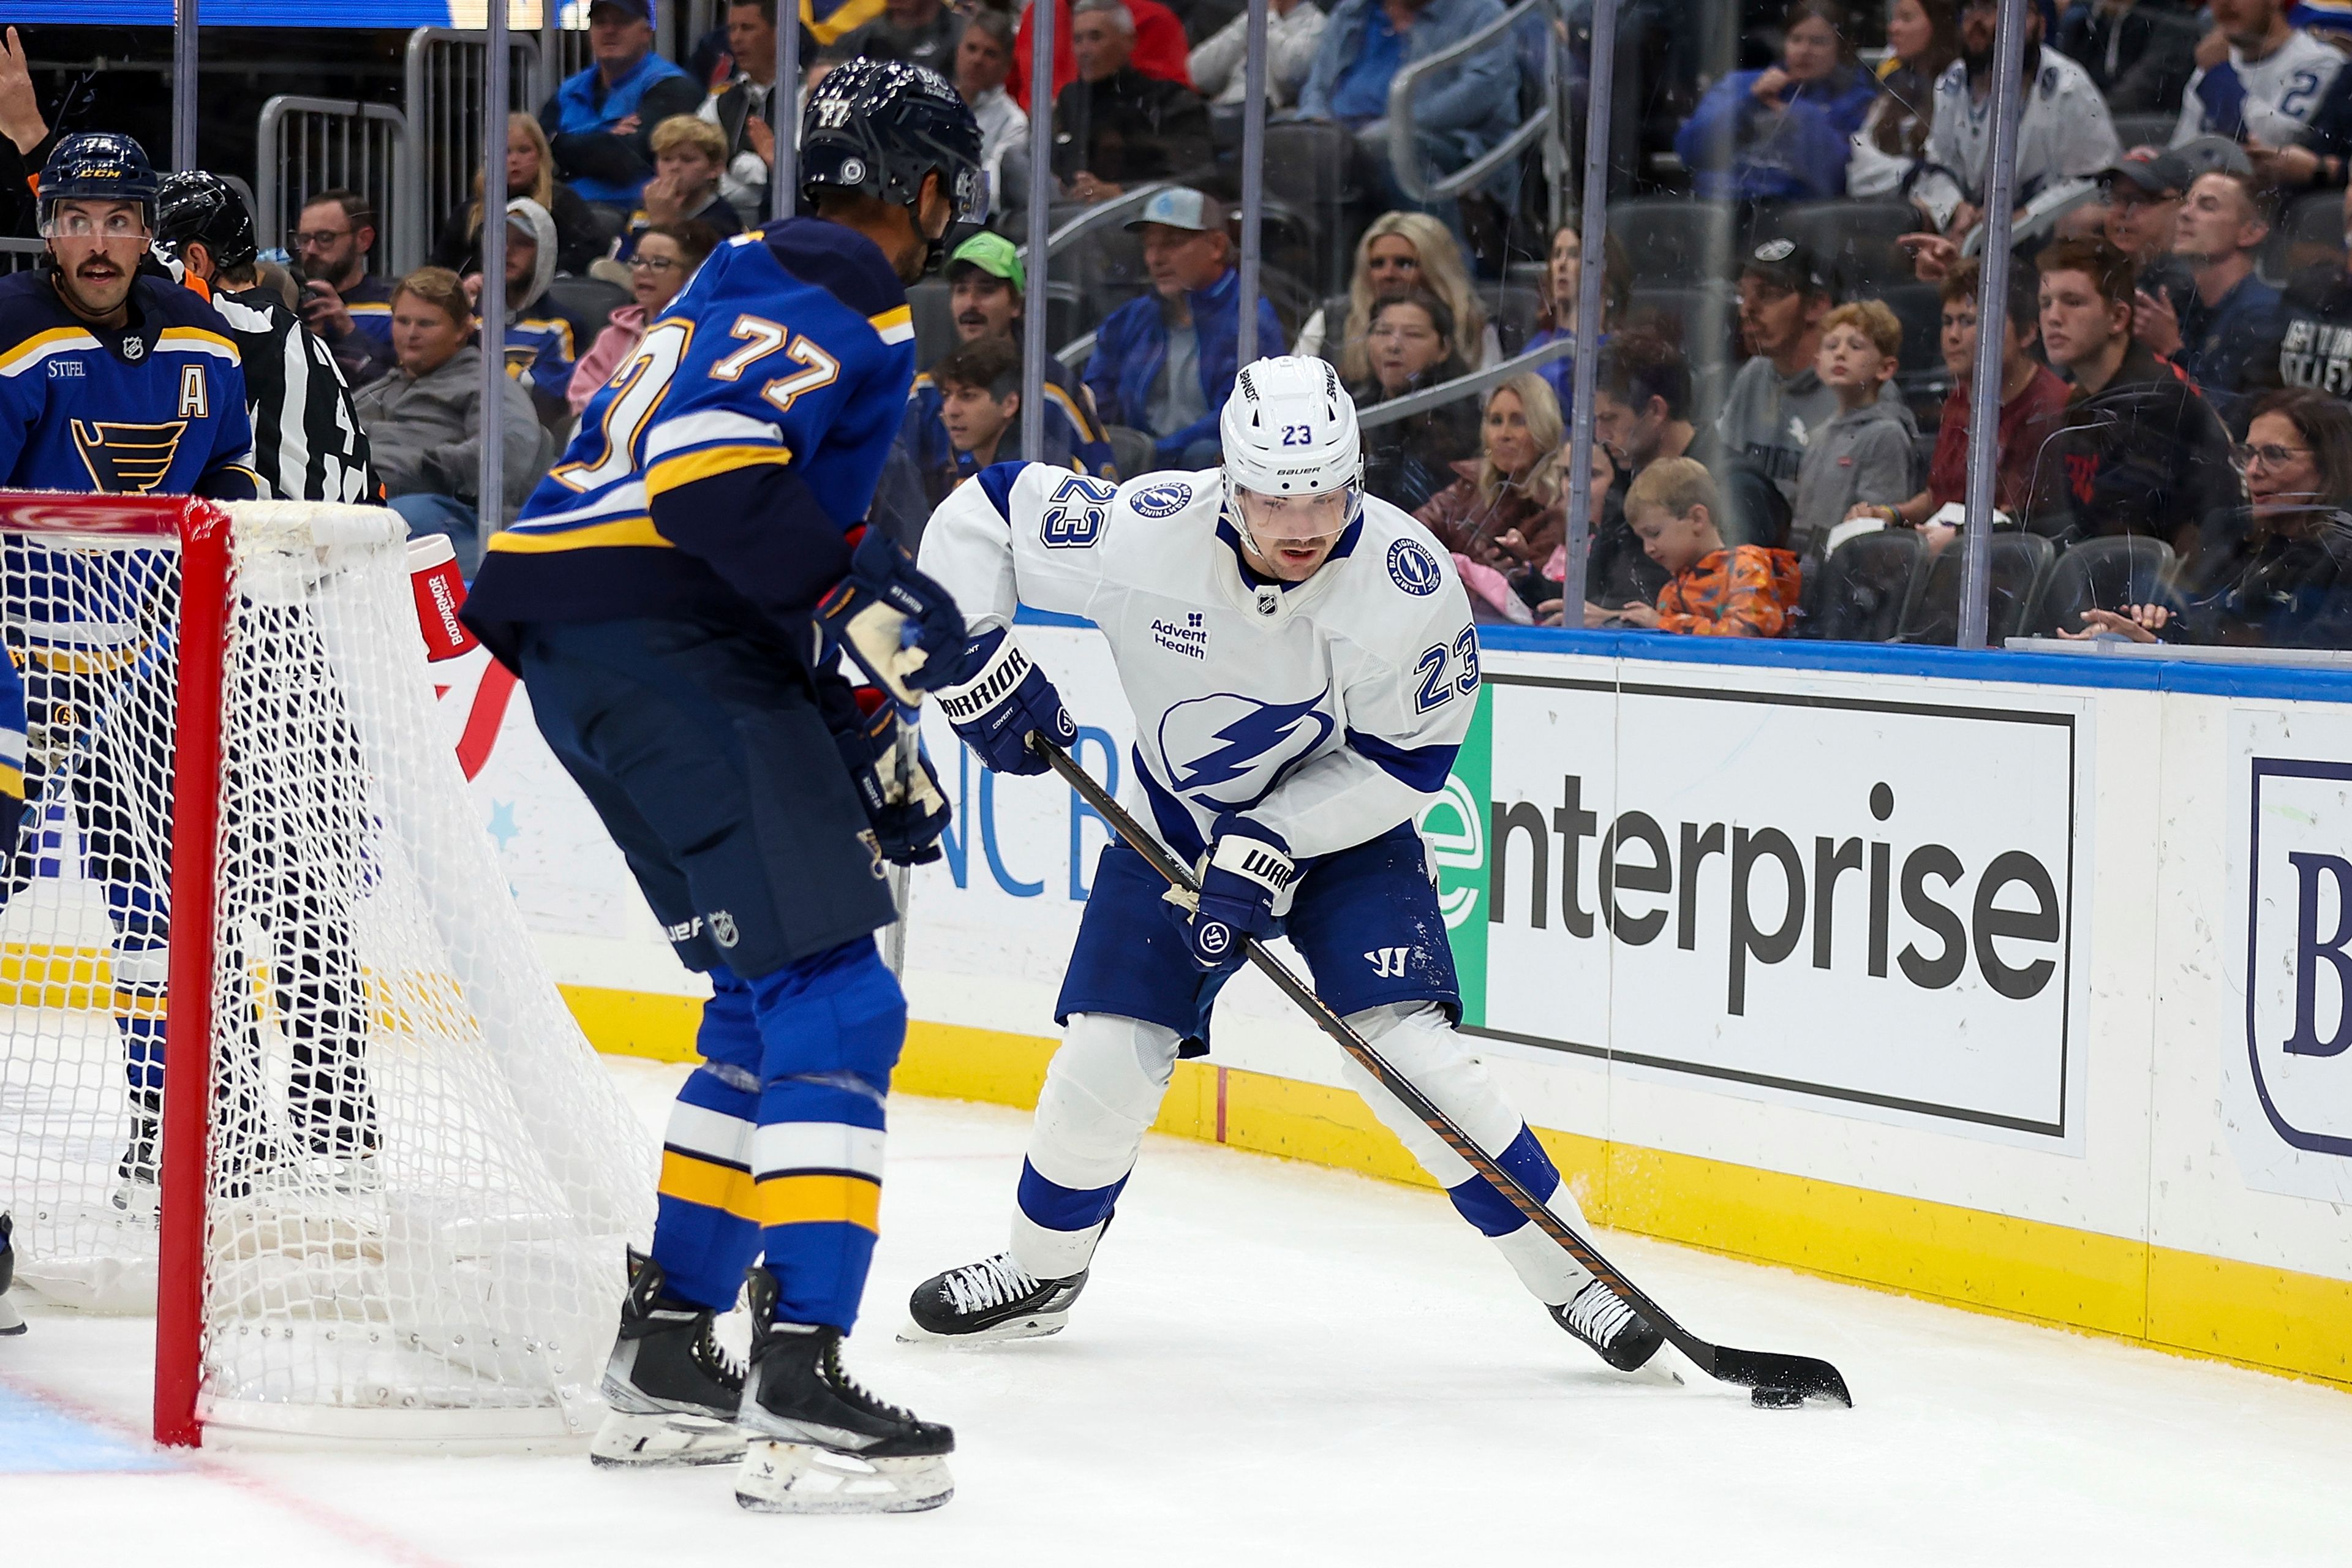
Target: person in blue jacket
{"x": 600, "y": 123}
{"x": 1165, "y": 364}
{"x": 1458, "y": 114}
{"x": 1783, "y": 134}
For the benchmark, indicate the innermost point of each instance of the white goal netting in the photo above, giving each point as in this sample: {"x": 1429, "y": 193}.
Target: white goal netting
{"x": 421, "y": 1181}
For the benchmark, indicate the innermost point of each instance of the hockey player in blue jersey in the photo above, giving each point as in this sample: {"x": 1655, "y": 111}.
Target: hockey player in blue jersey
{"x": 660, "y": 597}
{"x": 1302, "y": 667}
{"x": 116, "y": 382}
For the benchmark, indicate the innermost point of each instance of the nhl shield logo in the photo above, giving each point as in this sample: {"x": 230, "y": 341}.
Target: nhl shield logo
{"x": 722, "y": 929}
{"x": 135, "y": 349}
{"x": 127, "y": 459}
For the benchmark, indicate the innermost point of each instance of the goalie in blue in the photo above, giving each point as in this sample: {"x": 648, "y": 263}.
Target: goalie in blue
{"x": 675, "y": 596}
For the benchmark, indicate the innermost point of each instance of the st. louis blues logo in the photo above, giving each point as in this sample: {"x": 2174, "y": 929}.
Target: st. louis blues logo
{"x": 127, "y": 459}
{"x": 1413, "y": 568}
{"x": 1227, "y": 750}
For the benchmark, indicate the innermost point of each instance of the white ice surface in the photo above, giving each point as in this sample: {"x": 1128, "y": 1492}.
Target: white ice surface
{"x": 1276, "y": 1363}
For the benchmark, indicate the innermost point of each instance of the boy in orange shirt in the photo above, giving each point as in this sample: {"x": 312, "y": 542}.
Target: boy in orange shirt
{"x": 1748, "y": 592}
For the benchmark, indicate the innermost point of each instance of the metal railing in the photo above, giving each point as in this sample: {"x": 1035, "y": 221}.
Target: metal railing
{"x": 306, "y": 144}
{"x": 446, "y": 82}
{"x": 1403, "y": 134}
{"x": 21, "y": 255}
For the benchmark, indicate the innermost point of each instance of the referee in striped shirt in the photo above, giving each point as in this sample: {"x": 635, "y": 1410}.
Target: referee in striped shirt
{"x": 307, "y": 440}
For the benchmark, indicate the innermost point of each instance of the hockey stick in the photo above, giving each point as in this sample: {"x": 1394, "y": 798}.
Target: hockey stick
{"x": 1795, "y": 1377}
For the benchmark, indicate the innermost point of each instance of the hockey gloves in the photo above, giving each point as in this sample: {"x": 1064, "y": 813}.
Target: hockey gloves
{"x": 895, "y": 783}
{"x": 1006, "y": 698}
{"x": 897, "y": 625}
{"x": 1244, "y": 877}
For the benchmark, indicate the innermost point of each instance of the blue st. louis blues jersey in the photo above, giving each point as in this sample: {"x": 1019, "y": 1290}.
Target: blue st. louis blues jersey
{"x": 720, "y": 470}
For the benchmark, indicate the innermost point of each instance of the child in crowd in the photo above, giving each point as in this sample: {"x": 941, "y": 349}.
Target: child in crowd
{"x": 688, "y": 155}
{"x": 980, "y": 403}
{"x": 1863, "y": 454}
{"x": 1748, "y": 592}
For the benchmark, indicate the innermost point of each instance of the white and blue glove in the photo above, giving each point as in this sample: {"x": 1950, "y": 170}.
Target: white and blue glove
{"x": 894, "y": 624}
{"x": 1245, "y": 875}
{"x": 1004, "y": 700}
{"x": 895, "y": 781}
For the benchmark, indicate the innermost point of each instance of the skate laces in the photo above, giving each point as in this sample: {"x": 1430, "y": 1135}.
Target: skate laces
{"x": 724, "y": 1369}
{"x": 848, "y": 1388}
{"x": 992, "y": 1282}
{"x": 1598, "y": 1314}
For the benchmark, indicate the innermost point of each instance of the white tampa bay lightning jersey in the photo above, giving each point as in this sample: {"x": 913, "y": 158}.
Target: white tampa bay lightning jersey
{"x": 2281, "y": 93}
{"x": 1329, "y": 710}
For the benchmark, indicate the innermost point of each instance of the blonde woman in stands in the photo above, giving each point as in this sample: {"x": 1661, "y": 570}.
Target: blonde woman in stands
{"x": 1399, "y": 252}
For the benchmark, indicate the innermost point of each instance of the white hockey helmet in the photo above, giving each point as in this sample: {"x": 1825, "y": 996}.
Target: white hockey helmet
{"x": 1289, "y": 429}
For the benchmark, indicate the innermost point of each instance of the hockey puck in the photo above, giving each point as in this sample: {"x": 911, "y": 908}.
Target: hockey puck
{"x": 1776, "y": 1398}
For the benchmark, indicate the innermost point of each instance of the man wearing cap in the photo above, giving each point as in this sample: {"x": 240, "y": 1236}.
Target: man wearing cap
{"x": 2065, "y": 133}
{"x": 600, "y": 122}
{"x": 1115, "y": 126}
{"x": 986, "y": 283}
{"x": 1165, "y": 364}
{"x": 2140, "y": 197}
{"x": 1777, "y": 400}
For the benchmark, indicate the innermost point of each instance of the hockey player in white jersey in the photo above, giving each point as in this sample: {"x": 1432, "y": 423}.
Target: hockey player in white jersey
{"x": 1302, "y": 668}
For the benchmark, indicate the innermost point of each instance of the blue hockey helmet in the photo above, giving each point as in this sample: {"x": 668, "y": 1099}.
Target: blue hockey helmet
{"x": 878, "y": 127}
{"x": 98, "y": 165}
{"x": 198, "y": 205}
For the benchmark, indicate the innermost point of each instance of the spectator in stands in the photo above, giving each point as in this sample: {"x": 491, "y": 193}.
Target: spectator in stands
{"x": 1115, "y": 126}
{"x": 980, "y": 397}
{"x": 1563, "y": 286}
{"x": 2063, "y": 133}
{"x": 2316, "y": 326}
{"x": 983, "y": 55}
{"x": 1407, "y": 460}
{"x": 544, "y": 336}
{"x": 1641, "y": 405}
{"x": 1503, "y": 510}
{"x": 346, "y": 305}
{"x": 2226, "y": 335}
{"x": 1293, "y": 30}
{"x": 985, "y": 285}
{"x": 2139, "y": 56}
{"x": 1399, "y": 252}
{"x": 600, "y": 122}
{"x": 1165, "y": 364}
{"x": 2141, "y": 198}
{"x": 920, "y": 32}
{"x": 740, "y": 109}
{"x": 1923, "y": 39}
{"x": 1783, "y": 134}
{"x": 940, "y": 444}
{"x": 2289, "y": 581}
{"x": 1777, "y": 400}
{"x": 1459, "y": 115}
{"x": 1716, "y": 589}
{"x": 2032, "y": 400}
{"x": 424, "y": 420}
{"x": 24, "y": 141}
{"x": 2138, "y": 449}
{"x": 530, "y": 172}
{"x": 664, "y": 262}
{"x": 2259, "y": 80}
{"x": 1863, "y": 454}
{"x": 1162, "y": 49}
{"x": 689, "y": 157}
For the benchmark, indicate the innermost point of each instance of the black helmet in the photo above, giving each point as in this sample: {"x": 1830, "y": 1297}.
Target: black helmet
{"x": 198, "y": 205}
{"x": 98, "y": 165}
{"x": 878, "y": 127}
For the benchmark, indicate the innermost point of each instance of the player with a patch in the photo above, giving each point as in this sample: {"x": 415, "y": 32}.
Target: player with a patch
{"x": 126, "y": 384}
{"x": 1301, "y": 665}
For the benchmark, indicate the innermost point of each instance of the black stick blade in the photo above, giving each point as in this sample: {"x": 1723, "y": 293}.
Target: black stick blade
{"x": 1809, "y": 1376}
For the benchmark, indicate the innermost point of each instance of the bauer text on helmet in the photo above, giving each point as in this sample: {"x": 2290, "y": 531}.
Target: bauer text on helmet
{"x": 1293, "y": 464}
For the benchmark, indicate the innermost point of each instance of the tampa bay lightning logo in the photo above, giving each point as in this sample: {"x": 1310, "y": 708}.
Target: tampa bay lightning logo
{"x": 1414, "y": 569}
{"x": 1161, "y": 500}
{"x": 1226, "y": 750}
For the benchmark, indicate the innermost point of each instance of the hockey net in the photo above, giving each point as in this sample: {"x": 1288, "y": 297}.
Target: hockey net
{"x": 399, "y": 1210}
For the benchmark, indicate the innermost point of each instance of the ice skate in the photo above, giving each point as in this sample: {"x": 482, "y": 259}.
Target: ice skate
{"x": 995, "y": 1299}
{"x": 137, "y": 1174}
{"x": 820, "y": 1444}
{"x": 12, "y": 1322}
{"x": 1618, "y": 1334}
{"x": 672, "y": 1391}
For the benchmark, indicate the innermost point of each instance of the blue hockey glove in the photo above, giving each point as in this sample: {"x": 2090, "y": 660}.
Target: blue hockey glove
{"x": 1244, "y": 874}
{"x": 897, "y": 625}
{"x": 1005, "y": 698}
{"x": 895, "y": 783}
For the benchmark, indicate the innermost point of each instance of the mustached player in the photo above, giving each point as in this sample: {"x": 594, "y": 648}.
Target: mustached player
{"x": 1301, "y": 665}
{"x": 659, "y": 596}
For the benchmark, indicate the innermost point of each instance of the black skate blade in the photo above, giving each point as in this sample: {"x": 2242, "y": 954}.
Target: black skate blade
{"x": 1808, "y": 1377}
{"x": 1034, "y": 1326}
